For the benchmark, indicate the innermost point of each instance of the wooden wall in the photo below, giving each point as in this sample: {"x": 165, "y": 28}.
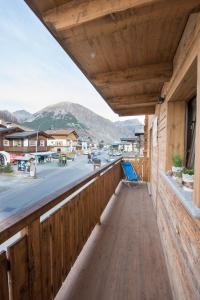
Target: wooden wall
{"x": 180, "y": 233}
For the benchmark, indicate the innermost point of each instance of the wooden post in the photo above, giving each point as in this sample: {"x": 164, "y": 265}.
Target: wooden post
{"x": 196, "y": 193}
{"x": 175, "y": 131}
{"x": 33, "y": 238}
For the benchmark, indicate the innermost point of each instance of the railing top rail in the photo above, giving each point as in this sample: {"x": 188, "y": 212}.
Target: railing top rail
{"x": 18, "y": 221}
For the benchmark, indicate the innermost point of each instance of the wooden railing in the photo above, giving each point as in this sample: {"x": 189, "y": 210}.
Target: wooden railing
{"x": 141, "y": 165}
{"x": 30, "y": 149}
{"x": 52, "y": 234}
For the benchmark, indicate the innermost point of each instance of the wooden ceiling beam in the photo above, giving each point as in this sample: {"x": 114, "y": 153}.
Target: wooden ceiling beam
{"x": 130, "y": 106}
{"x": 134, "y": 99}
{"x": 109, "y": 26}
{"x": 160, "y": 72}
{"x": 147, "y": 110}
{"x": 75, "y": 13}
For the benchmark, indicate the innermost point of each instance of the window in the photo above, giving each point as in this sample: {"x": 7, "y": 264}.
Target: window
{"x": 32, "y": 143}
{"x": 17, "y": 143}
{"x": 6, "y": 143}
{"x": 190, "y": 133}
{"x": 42, "y": 143}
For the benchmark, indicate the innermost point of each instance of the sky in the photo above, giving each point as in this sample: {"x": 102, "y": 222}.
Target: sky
{"x": 34, "y": 69}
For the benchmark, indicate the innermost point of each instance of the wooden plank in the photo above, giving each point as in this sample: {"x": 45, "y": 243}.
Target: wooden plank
{"x": 112, "y": 272}
{"x": 4, "y": 291}
{"x": 134, "y": 99}
{"x": 132, "y": 106}
{"x": 19, "y": 274}
{"x": 196, "y": 194}
{"x": 66, "y": 240}
{"x": 33, "y": 237}
{"x": 180, "y": 242}
{"x": 73, "y": 14}
{"x": 160, "y": 72}
{"x": 46, "y": 260}
{"x": 110, "y": 26}
{"x": 175, "y": 131}
{"x": 56, "y": 251}
{"x": 72, "y": 232}
{"x": 184, "y": 58}
{"x": 147, "y": 110}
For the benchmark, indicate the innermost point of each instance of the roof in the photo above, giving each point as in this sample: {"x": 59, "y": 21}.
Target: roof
{"x": 133, "y": 139}
{"x": 125, "y": 47}
{"x": 64, "y": 132}
{"x": 11, "y": 129}
{"x": 26, "y": 134}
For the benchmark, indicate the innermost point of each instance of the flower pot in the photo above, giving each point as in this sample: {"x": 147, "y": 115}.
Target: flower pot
{"x": 188, "y": 182}
{"x": 177, "y": 171}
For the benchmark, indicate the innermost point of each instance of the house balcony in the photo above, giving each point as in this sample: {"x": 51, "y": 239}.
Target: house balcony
{"x": 30, "y": 149}
{"x": 97, "y": 238}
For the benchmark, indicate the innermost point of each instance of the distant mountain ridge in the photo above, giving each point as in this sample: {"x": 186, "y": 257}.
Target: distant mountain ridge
{"x": 7, "y": 116}
{"x": 73, "y": 115}
{"x": 22, "y": 115}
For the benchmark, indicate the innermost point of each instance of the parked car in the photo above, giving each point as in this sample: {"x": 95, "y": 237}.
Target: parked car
{"x": 85, "y": 152}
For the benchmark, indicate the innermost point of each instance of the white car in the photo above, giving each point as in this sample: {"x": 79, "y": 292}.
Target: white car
{"x": 85, "y": 152}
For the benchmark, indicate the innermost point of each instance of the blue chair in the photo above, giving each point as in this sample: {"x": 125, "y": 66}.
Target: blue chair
{"x": 129, "y": 172}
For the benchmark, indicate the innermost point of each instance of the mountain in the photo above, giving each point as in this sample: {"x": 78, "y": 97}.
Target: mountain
{"x": 22, "y": 115}
{"x": 86, "y": 122}
{"x": 129, "y": 126}
{"x": 6, "y": 116}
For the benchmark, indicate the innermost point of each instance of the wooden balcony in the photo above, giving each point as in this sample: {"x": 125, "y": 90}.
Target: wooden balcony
{"x": 26, "y": 149}
{"x": 120, "y": 259}
{"x": 123, "y": 258}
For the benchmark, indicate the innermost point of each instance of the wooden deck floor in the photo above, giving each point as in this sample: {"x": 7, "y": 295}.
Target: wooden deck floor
{"x": 123, "y": 258}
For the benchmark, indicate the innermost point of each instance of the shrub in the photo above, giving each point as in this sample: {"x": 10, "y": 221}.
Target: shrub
{"x": 188, "y": 171}
{"x": 6, "y": 169}
{"x": 177, "y": 160}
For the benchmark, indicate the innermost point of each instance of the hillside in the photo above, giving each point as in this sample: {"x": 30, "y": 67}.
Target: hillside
{"x": 22, "y": 115}
{"x": 86, "y": 122}
{"x": 6, "y": 116}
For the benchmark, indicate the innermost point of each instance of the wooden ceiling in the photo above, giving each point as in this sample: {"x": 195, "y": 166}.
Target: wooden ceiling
{"x": 124, "y": 47}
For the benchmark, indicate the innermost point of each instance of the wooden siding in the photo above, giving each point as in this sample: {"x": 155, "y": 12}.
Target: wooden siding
{"x": 180, "y": 233}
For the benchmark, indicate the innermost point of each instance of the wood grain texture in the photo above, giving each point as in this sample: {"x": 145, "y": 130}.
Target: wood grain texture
{"x": 108, "y": 37}
{"x": 180, "y": 233}
{"x": 34, "y": 260}
{"x": 4, "y": 291}
{"x": 125, "y": 258}
{"x": 160, "y": 72}
{"x": 197, "y": 140}
{"x": 136, "y": 111}
{"x": 73, "y": 14}
{"x": 181, "y": 240}
{"x": 46, "y": 260}
{"x": 18, "y": 257}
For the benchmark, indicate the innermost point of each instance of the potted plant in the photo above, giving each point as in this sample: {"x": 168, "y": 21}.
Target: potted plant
{"x": 177, "y": 166}
{"x": 188, "y": 179}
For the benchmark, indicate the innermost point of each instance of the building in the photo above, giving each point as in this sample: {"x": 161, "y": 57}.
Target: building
{"x": 63, "y": 140}
{"x": 26, "y": 142}
{"x": 5, "y": 131}
{"x": 144, "y": 58}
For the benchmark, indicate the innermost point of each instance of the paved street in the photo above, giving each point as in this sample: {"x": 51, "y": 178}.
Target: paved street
{"x": 17, "y": 192}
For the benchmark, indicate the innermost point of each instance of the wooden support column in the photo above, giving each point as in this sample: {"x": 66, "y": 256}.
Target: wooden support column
{"x": 175, "y": 131}
{"x": 196, "y": 193}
